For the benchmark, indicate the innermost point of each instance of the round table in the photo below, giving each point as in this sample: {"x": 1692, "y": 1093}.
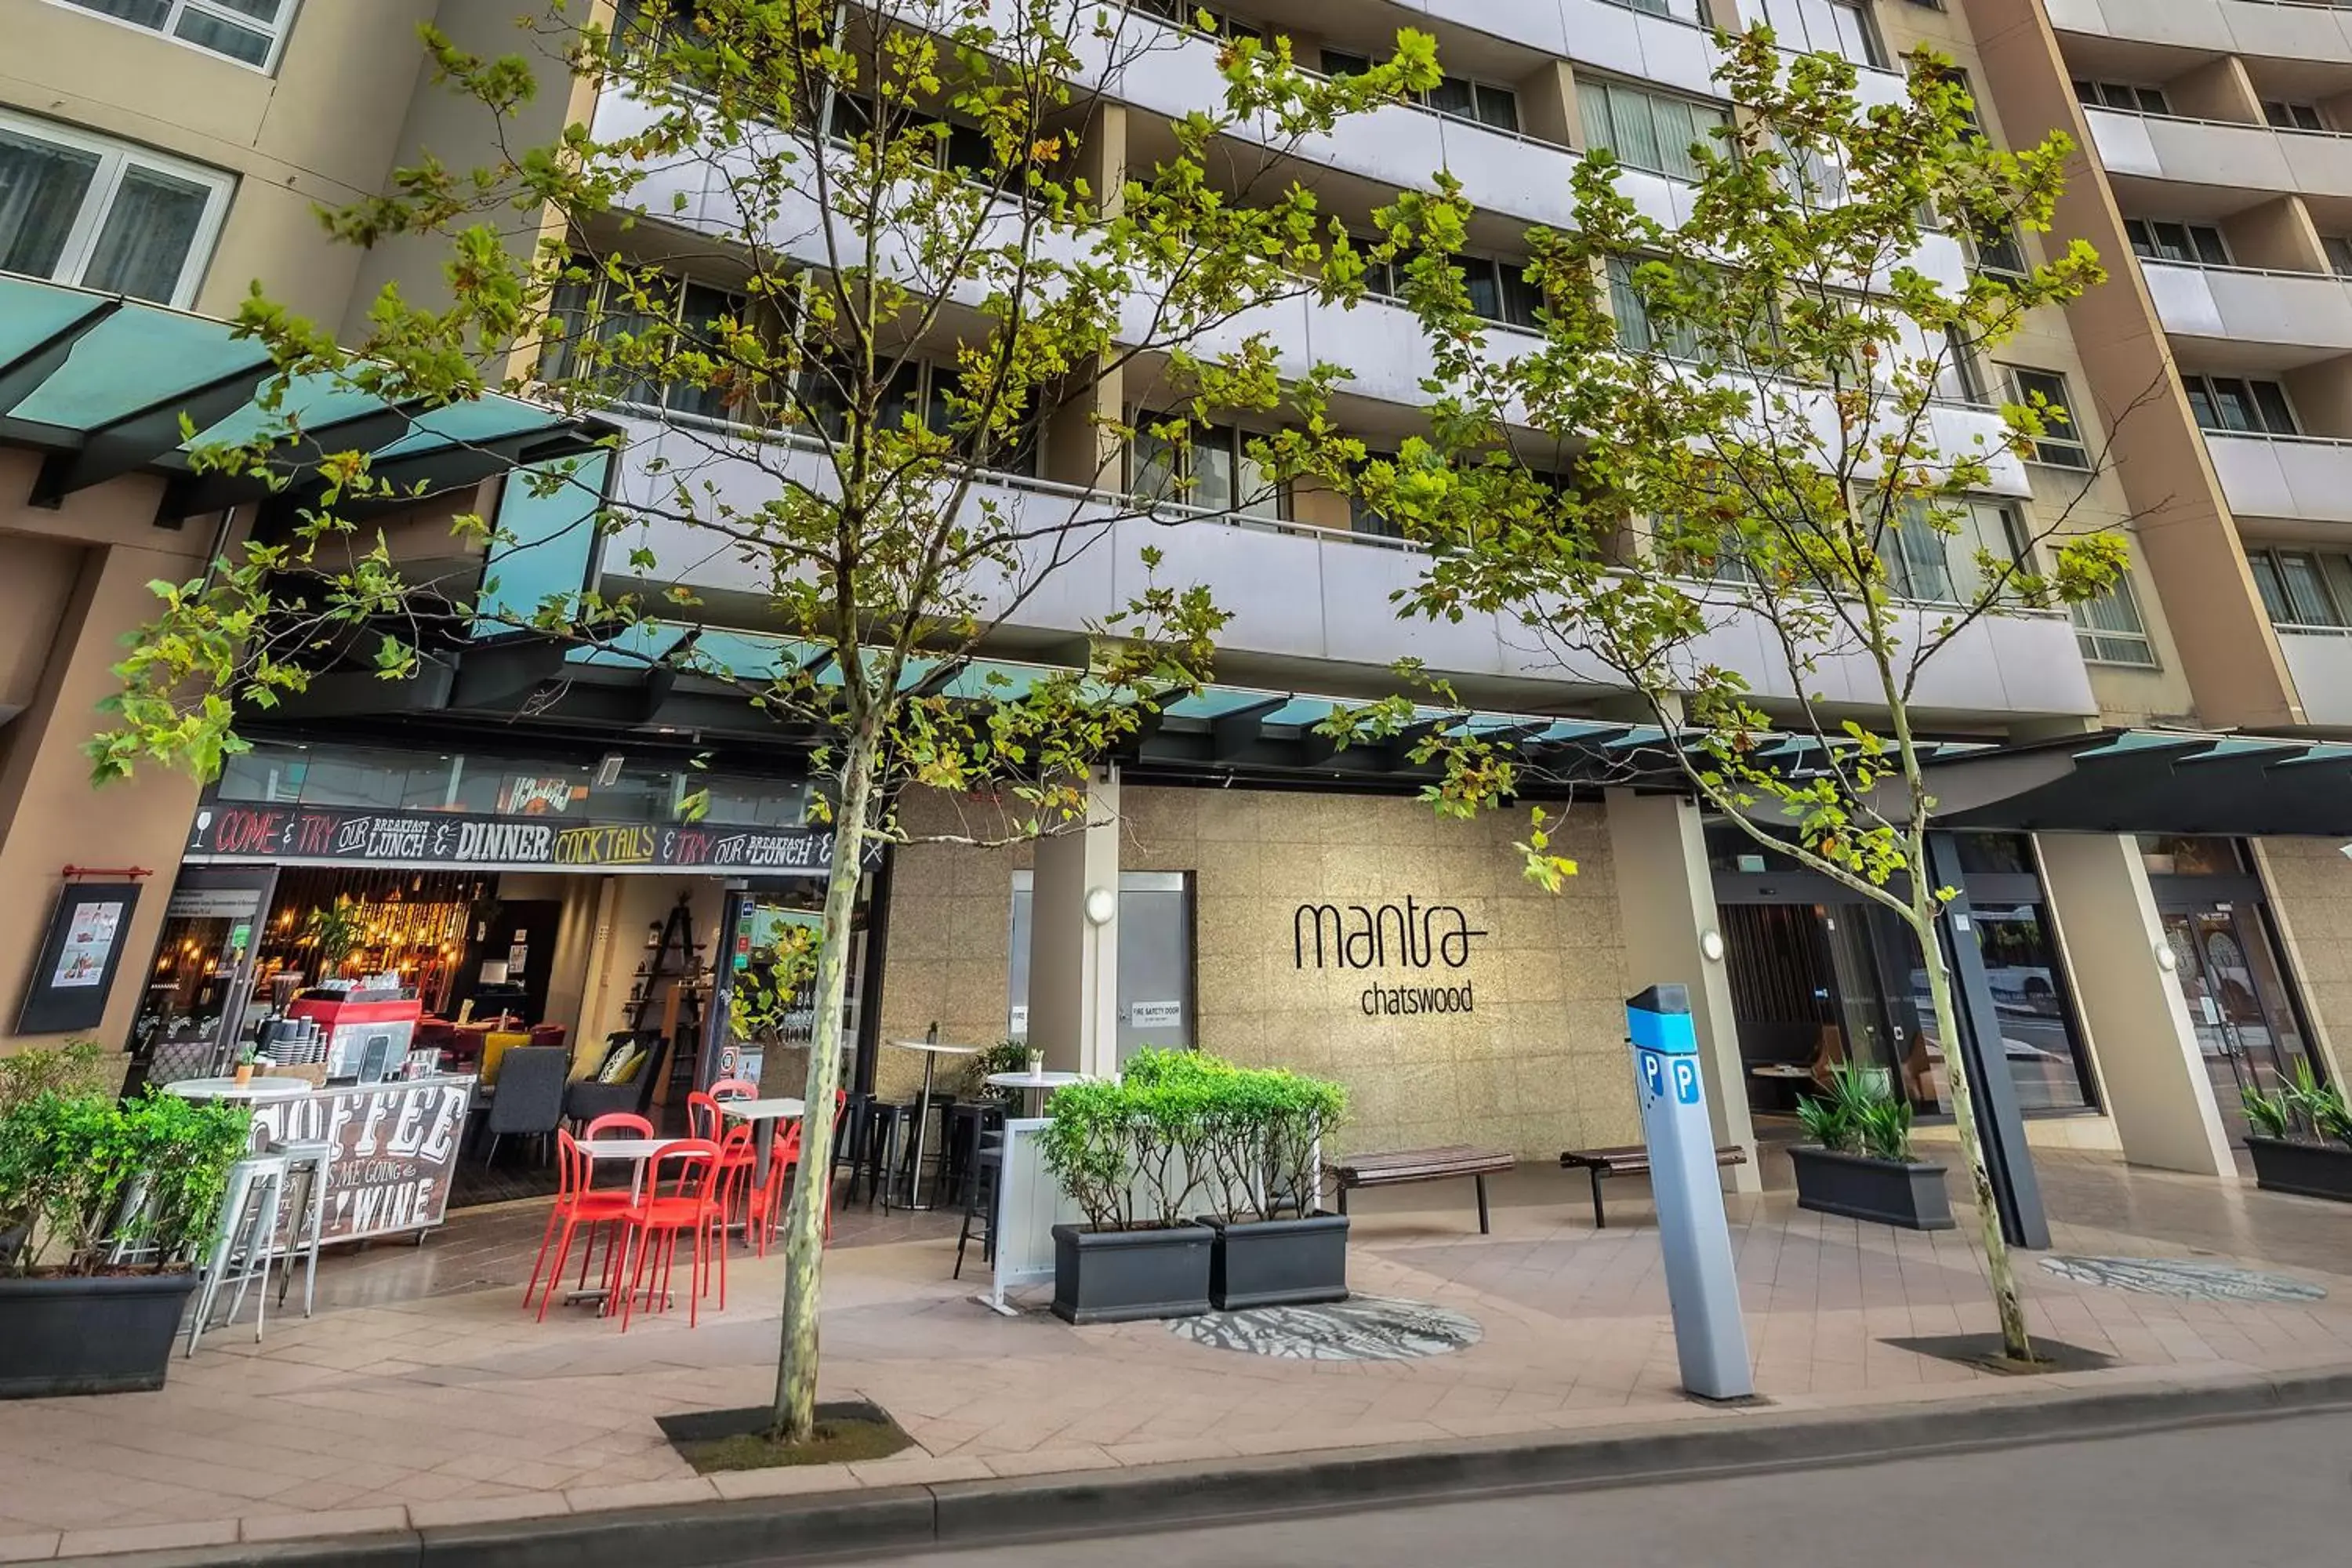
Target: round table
{"x": 1036, "y": 1086}
{"x": 229, "y": 1088}
{"x": 932, "y": 1051}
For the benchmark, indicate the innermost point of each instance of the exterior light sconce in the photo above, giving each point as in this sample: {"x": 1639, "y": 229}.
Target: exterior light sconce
{"x": 2165, "y": 959}
{"x": 1711, "y": 946}
{"x": 1102, "y": 906}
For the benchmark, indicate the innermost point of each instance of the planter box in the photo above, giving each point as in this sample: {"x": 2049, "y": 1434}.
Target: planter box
{"x": 1279, "y": 1262}
{"x": 1886, "y": 1192}
{"x": 1118, "y": 1276}
{"x": 2312, "y": 1169}
{"x": 110, "y": 1334}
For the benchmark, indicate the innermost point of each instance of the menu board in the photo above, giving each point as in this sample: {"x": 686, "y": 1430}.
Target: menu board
{"x": 395, "y": 1150}
{"x": 82, "y": 947}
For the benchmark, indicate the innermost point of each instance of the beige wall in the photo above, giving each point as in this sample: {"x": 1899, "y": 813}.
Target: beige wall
{"x": 1537, "y": 1066}
{"x": 97, "y": 552}
{"x": 2310, "y": 886}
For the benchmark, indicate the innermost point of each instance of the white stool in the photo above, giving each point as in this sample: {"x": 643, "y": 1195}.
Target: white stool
{"x": 309, "y": 1161}
{"x": 244, "y": 1242}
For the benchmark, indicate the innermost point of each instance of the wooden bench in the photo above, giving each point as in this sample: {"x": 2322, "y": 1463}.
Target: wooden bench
{"x": 1633, "y": 1160}
{"x": 1420, "y": 1165}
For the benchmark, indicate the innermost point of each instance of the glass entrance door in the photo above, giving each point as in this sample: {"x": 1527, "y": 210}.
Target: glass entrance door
{"x": 2246, "y": 1028}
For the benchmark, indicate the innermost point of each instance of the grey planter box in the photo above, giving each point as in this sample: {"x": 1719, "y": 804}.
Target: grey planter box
{"x": 2309, "y": 1170}
{"x": 107, "y": 1334}
{"x": 1886, "y": 1192}
{"x": 1279, "y": 1262}
{"x": 1119, "y": 1276}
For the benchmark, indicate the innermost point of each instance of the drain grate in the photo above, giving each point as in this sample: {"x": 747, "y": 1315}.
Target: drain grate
{"x": 1363, "y": 1328}
{"x": 2184, "y": 1279}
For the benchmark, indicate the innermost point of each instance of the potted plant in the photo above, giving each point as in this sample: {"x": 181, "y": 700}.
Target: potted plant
{"x": 2295, "y": 1138}
{"x": 1276, "y": 1247}
{"x": 334, "y": 931}
{"x": 248, "y": 1057}
{"x": 1133, "y": 1155}
{"x": 1858, "y": 1160}
{"x": 1003, "y": 1057}
{"x": 118, "y": 1198}
{"x": 79, "y": 1067}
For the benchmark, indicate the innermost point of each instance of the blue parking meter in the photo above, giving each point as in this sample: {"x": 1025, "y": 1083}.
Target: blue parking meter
{"x": 1709, "y": 1338}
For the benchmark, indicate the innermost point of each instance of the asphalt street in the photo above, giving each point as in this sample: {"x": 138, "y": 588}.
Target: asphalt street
{"x": 2269, "y": 1494}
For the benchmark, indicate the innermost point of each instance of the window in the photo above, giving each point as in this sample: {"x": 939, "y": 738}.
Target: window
{"x": 2198, "y": 244}
{"x": 1647, "y": 130}
{"x": 1213, "y": 472}
{"x": 2061, "y": 444}
{"x": 2290, "y": 115}
{"x": 1184, "y": 14}
{"x": 1996, "y": 251}
{"x": 78, "y": 209}
{"x": 1839, "y": 27}
{"x": 1498, "y": 288}
{"x": 2124, "y": 96}
{"x": 1648, "y": 7}
{"x": 1636, "y": 329}
{"x": 2229, "y": 403}
{"x": 916, "y": 388}
{"x": 1857, "y": 33}
{"x": 247, "y": 30}
{"x": 2108, "y": 629}
{"x": 1936, "y": 565}
{"x": 2339, "y": 253}
{"x": 1156, "y": 946}
{"x": 1955, "y": 378}
{"x": 2296, "y": 587}
{"x": 1462, "y": 99}
{"x": 598, "y": 310}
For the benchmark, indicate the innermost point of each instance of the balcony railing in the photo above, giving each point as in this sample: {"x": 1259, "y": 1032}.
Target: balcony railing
{"x": 2274, "y": 29}
{"x": 2227, "y": 153}
{"x": 2304, "y": 479}
{"x": 2291, "y": 311}
{"x": 2320, "y": 659}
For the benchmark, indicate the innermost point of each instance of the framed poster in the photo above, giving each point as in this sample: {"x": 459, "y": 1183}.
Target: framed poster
{"x": 74, "y": 973}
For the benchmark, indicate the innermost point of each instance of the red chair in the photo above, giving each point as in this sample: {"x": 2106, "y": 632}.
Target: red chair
{"x": 619, "y": 1124}
{"x": 784, "y": 1154}
{"x": 705, "y": 1121}
{"x": 734, "y": 1089}
{"x": 680, "y": 1198}
{"x": 576, "y": 1204}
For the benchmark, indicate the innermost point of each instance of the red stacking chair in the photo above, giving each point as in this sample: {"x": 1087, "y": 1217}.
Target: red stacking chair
{"x": 576, "y": 1204}
{"x": 681, "y": 1197}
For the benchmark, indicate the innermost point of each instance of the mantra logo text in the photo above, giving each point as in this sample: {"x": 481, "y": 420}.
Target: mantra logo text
{"x": 1411, "y": 935}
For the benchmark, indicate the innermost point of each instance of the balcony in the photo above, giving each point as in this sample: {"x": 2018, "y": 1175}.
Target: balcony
{"x": 1302, "y": 598}
{"x": 2320, "y": 659}
{"x": 2260, "y": 29}
{"x": 2271, "y": 320}
{"x": 2301, "y": 479}
{"x": 2230, "y": 159}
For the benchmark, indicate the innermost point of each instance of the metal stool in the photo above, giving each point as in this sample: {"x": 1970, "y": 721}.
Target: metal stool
{"x": 244, "y": 1242}
{"x": 879, "y": 1142}
{"x": 311, "y": 1162}
{"x": 968, "y": 1122}
{"x": 980, "y": 1200}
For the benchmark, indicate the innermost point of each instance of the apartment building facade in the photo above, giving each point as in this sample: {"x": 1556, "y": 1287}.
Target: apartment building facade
{"x": 2135, "y": 972}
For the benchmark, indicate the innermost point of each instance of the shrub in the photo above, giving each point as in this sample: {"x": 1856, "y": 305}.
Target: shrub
{"x": 1860, "y": 1113}
{"x": 85, "y": 1171}
{"x": 77, "y": 1067}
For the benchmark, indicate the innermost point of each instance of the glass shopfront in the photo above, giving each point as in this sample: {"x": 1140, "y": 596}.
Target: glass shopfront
{"x": 1821, "y": 977}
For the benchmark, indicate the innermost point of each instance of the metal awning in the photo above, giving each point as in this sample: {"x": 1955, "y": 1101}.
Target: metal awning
{"x": 99, "y": 384}
{"x": 2151, "y": 781}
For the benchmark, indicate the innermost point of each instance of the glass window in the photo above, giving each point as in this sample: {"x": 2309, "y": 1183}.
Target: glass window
{"x": 1635, "y": 327}
{"x": 1647, "y": 130}
{"x": 1998, "y": 854}
{"x": 2126, "y": 97}
{"x": 1946, "y": 565}
{"x": 1155, "y": 960}
{"x": 2183, "y": 855}
{"x": 2232, "y": 404}
{"x": 1215, "y": 472}
{"x": 245, "y": 30}
{"x": 2196, "y": 243}
{"x": 2108, "y": 629}
{"x": 2295, "y": 588}
{"x": 2061, "y": 444}
{"x": 77, "y": 209}
{"x": 1999, "y": 251}
{"x": 1485, "y": 103}
{"x": 2038, "y": 1036}
{"x": 2291, "y": 116}
{"x": 2339, "y": 253}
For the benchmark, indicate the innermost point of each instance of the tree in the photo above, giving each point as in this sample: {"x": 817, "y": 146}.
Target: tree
{"x": 1746, "y": 418}
{"x": 919, "y": 251}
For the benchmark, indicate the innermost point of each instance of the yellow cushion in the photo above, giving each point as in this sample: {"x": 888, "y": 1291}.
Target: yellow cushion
{"x": 495, "y": 1046}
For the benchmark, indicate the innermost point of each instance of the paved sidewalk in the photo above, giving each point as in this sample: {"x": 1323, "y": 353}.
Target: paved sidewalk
{"x": 422, "y": 1395}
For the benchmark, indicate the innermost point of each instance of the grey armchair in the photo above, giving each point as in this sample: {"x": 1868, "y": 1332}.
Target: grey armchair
{"x": 530, "y": 1099}
{"x": 587, "y": 1099}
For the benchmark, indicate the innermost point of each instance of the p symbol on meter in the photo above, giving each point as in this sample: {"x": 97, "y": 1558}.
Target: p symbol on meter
{"x": 1686, "y": 1081}
{"x": 1653, "y": 1073}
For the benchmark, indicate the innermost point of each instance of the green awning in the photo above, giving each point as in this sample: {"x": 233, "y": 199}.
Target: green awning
{"x": 2151, "y": 781}
{"x": 102, "y": 386}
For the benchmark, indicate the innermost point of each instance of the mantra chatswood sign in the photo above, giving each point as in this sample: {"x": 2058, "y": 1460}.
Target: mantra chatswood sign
{"x": 1431, "y": 943}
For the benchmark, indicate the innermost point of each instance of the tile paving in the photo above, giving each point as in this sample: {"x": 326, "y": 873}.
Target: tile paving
{"x": 422, "y": 1385}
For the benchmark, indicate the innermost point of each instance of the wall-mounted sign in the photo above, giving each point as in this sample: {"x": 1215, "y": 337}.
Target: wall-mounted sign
{"x": 523, "y": 796}
{"x": 342, "y": 835}
{"x": 1411, "y": 935}
{"x": 74, "y": 973}
{"x": 1155, "y": 1015}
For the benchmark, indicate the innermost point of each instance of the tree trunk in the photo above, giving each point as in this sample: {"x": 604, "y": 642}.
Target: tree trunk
{"x": 795, "y": 1410}
{"x": 1998, "y": 1265}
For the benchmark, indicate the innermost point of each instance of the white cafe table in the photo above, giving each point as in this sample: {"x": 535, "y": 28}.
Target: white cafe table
{"x": 1036, "y": 1086}
{"x": 932, "y": 1051}
{"x": 229, "y": 1088}
{"x": 764, "y": 1115}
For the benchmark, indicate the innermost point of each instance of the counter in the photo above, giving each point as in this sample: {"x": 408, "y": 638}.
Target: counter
{"x": 394, "y": 1149}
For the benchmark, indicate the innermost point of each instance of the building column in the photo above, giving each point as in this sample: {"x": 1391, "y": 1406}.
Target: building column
{"x": 1665, "y": 900}
{"x": 2150, "y": 1073}
{"x": 1072, "y": 960}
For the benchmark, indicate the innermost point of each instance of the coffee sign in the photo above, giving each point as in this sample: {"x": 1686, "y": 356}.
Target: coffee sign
{"x": 392, "y": 1149}
{"x": 1408, "y": 936}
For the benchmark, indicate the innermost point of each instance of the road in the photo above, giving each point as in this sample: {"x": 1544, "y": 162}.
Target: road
{"x": 2271, "y": 1494}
